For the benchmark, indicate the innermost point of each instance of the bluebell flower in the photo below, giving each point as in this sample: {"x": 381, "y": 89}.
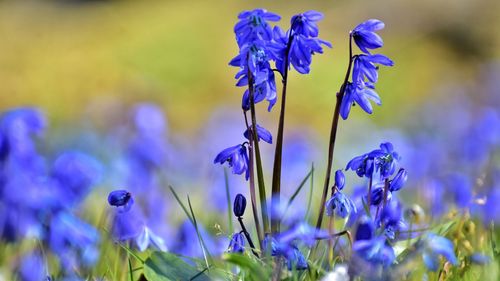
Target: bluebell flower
{"x": 270, "y": 245}
{"x": 74, "y": 241}
{"x": 363, "y": 165}
{"x": 295, "y": 259}
{"x": 365, "y": 37}
{"x": 237, "y": 243}
{"x": 340, "y": 204}
{"x": 17, "y": 126}
{"x": 263, "y": 91}
{"x": 75, "y": 173}
{"x": 364, "y": 67}
{"x": 121, "y": 198}
{"x": 262, "y": 134}
{"x": 302, "y": 232}
{"x": 385, "y": 159}
{"x": 339, "y": 179}
{"x": 398, "y": 181}
{"x": 237, "y": 158}
{"x": 376, "y": 251}
{"x": 301, "y": 50}
{"x": 253, "y": 25}
{"x": 360, "y": 93}
{"x": 436, "y": 246}
{"x": 365, "y": 229}
{"x": 305, "y": 23}
{"x": 32, "y": 267}
{"x": 240, "y": 203}
{"x": 391, "y": 218}
{"x": 377, "y": 195}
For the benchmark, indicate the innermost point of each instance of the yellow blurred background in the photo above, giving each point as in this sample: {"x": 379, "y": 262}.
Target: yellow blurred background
{"x": 67, "y": 56}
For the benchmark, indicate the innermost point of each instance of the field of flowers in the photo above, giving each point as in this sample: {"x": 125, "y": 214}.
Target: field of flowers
{"x": 120, "y": 195}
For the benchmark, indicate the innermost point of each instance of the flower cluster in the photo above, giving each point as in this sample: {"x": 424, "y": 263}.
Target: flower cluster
{"x": 364, "y": 71}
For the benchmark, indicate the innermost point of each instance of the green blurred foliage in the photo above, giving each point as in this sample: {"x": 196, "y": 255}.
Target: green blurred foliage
{"x": 66, "y": 55}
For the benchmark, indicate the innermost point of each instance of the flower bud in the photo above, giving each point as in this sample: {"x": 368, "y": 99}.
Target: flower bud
{"x": 339, "y": 179}
{"x": 121, "y": 198}
{"x": 399, "y": 180}
{"x": 240, "y": 203}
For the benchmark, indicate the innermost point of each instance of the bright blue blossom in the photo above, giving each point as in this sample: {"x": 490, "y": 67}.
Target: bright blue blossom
{"x": 365, "y": 229}
{"x": 386, "y": 159}
{"x": 262, "y": 134}
{"x": 305, "y": 23}
{"x": 362, "y": 165}
{"x": 377, "y": 195}
{"x": 237, "y": 243}
{"x": 295, "y": 259}
{"x": 340, "y": 204}
{"x": 252, "y": 25}
{"x": 375, "y": 251}
{"x": 360, "y": 93}
{"x": 391, "y": 219}
{"x": 365, "y": 37}
{"x": 364, "y": 67}
{"x": 237, "y": 158}
{"x": 436, "y": 246}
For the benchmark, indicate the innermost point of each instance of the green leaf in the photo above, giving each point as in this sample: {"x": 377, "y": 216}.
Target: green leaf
{"x": 256, "y": 270}
{"x": 164, "y": 266}
{"x": 299, "y": 188}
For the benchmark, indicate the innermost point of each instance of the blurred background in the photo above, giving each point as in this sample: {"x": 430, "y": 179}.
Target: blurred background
{"x": 94, "y": 68}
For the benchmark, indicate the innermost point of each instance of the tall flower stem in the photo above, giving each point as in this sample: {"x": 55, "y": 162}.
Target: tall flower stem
{"x": 252, "y": 185}
{"x": 247, "y": 235}
{"x": 276, "y": 183}
{"x": 258, "y": 160}
{"x": 333, "y": 137}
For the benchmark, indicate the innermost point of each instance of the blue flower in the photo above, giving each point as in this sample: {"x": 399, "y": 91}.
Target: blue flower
{"x": 32, "y": 268}
{"x": 361, "y": 94}
{"x": 263, "y": 91}
{"x": 436, "y": 246}
{"x": 364, "y": 67}
{"x": 295, "y": 259}
{"x": 121, "y": 198}
{"x": 339, "y": 179}
{"x": 305, "y": 23}
{"x": 399, "y": 180}
{"x": 385, "y": 159}
{"x": 391, "y": 218}
{"x": 341, "y": 204}
{"x": 365, "y": 37}
{"x": 262, "y": 134}
{"x": 362, "y": 165}
{"x": 75, "y": 173}
{"x": 253, "y": 25}
{"x": 237, "y": 243}
{"x": 365, "y": 229}
{"x": 237, "y": 158}
{"x": 377, "y": 195}
{"x": 301, "y": 50}
{"x": 270, "y": 245}
{"x": 376, "y": 251}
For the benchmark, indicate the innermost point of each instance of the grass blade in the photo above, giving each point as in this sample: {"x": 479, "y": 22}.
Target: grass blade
{"x": 206, "y": 254}
{"x": 297, "y": 190}
{"x": 228, "y": 197}
{"x": 181, "y": 204}
{"x": 311, "y": 188}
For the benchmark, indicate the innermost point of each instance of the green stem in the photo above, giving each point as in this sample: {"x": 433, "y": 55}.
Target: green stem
{"x": 333, "y": 137}
{"x": 276, "y": 183}
{"x": 252, "y": 186}
{"x": 258, "y": 160}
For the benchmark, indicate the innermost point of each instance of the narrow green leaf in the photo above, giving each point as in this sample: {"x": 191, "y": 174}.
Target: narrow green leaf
{"x": 256, "y": 270}
{"x": 181, "y": 204}
{"x": 228, "y": 197}
{"x": 164, "y": 266}
{"x": 297, "y": 190}
{"x": 131, "y": 272}
{"x": 204, "y": 249}
{"x": 311, "y": 188}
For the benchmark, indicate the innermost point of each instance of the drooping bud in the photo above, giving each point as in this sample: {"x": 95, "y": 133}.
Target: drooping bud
{"x": 339, "y": 179}
{"x": 366, "y": 229}
{"x": 240, "y": 203}
{"x": 121, "y": 198}
{"x": 399, "y": 180}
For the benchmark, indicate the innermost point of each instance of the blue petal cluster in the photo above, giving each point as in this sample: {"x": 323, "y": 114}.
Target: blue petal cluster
{"x": 365, "y": 69}
{"x": 237, "y": 158}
